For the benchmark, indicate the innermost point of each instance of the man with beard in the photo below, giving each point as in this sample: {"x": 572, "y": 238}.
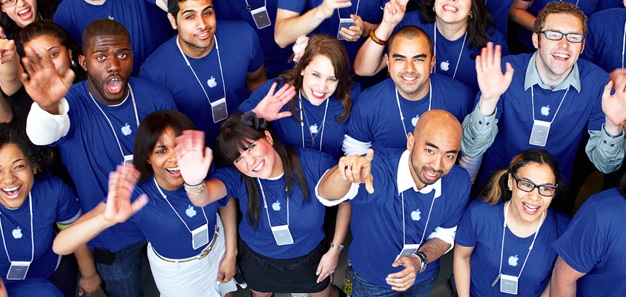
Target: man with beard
{"x": 385, "y": 112}
{"x": 210, "y": 67}
{"x": 93, "y": 123}
{"x": 408, "y": 211}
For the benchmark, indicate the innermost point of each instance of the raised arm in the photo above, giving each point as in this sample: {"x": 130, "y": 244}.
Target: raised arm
{"x": 518, "y": 13}
{"x": 10, "y": 68}
{"x": 338, "y": 180}
{"x": 269, "y": 107}
{"x": 290, "y": 24}
{"x": 194, "y": 161}
{"x": 491, "y": 81}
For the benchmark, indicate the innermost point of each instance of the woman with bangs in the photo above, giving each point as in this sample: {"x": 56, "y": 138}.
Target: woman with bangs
{"x": 189, "y": 247}
{"x": 282, "y": 246}
{"x": 503, "y": 243}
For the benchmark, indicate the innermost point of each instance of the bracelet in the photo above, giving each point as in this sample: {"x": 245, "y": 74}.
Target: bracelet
{"x": 333, "y": 246}
{"x": 377, "y": 40}
{"x": 423, "y": 259}
{"x": 194, "y": 190}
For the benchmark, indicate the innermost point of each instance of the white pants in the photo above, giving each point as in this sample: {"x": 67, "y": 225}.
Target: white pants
{"x": 195, "y": 278}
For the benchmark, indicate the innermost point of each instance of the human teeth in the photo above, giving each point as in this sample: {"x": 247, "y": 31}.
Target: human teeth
{"x": 531, "y": 207}
{"x": 11, "y": 189}
{"x": 25, "y": 11}
{"x": 450, "y": 8}
{"x": 318, "y": 94}
{"x": 409, "y": 78}
{"x": 173, "y": 170}
{"x": 562, "y": 56}
{"x": 258, "y": 167}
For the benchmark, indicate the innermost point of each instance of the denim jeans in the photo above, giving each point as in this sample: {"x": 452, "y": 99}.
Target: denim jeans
{"x": 122, "y": 278}
{"x": 363, "y": 288}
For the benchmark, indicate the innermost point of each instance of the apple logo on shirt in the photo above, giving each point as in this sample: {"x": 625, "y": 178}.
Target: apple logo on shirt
{"x": 445, "y": 65}
{"x": 276, "y": 206}
{"x": 190, "y": 212}
{"x": 513, "y": 260}
{"x": 545, "y": 110}
{"x": 313, "y": 128}
{"x": 126, "y": 130}
{"x": 211, "y": 82}
{"x": 414, "y": 120}
{"x": 416, "y": 215}
{"x": 17, "y": 233}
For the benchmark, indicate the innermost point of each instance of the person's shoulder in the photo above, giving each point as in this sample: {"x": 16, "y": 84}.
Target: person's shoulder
{"x": 457, "y": 180}
{"x": 372, "y": 94}
{"x": 233, "y": 29}
{"x": 479, "y": 206}
{"x": 412, "y": 18}
{"x": 164, "y": 52}
{"x": 448, "y": 83}
{"x": 607, "y": 17}
{"x": 519, "y": 59}
{"x": 589, "y": 70}
{"x": 149, "y": 90}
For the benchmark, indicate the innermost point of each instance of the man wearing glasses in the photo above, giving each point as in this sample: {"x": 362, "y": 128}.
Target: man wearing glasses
{"x": 548, "y": 101}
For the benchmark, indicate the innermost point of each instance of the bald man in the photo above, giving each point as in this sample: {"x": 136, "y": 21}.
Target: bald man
{"x": 405, "y": 217}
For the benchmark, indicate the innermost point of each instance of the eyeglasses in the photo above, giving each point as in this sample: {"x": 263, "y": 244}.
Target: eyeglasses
{"x": 526, "y": 185}
{"x": 556, "y": 35}
{"x": 8, "y": 3}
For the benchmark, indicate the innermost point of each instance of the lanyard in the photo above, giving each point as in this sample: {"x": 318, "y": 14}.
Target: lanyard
{"x": 432, "y": 204}
{"x": 132, "y": 98}
{"x": 506, "y": 212}
{"x": 458, "y": 60}
{"x": 249, "y": 8}
{"x": 219, "y": 61}
{"x": 32, "y": 238}
{"x": 170, "y": 204}
{"x": 355, "y": 12}
{"x": 267, "y": 212}
{"x": 623, "y": 44}
{"x": 323, "y": 125}
{"x": 532, "y": 97}
{"x": 430, "y": 101}
{"x": 574, "y": 4}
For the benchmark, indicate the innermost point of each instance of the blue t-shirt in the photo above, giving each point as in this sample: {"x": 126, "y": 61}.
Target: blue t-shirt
{"x": 604, "y": 44}
{"x": 53, "y": 202}
{"x": 448, "y": 52}
{"x": 163, "y": 228}
{"x": 237, "y": 53}
{"x": 147, "y": 24}
{"x": 375, "y": 117}
{"x": 90, "y": 150}
{"x": 33, "y": 287}
{"x": 306, "y": 218}
{"x": 594, "y": 244}
{"x": 481, "y": 228}
{"x": 377, "y": 225}
{"x": 578, "y": 113}
{"x": 276, "y": 58}
{"x": 315, "y": 132}
{"x": 370, "y": 11}
{"x": 499, "y": 10}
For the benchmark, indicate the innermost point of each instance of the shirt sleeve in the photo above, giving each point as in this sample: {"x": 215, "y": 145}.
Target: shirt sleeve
{"x": 44, "y": 128}
{"x": 68, "y": 208}
{"x": 605, "y": 151}
{"x": 479, "y": 132}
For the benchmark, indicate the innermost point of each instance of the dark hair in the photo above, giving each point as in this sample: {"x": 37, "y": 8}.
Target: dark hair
{"x": 49, "y": 28}
{"x": 173, "y": 6}
{"x": 479, "y": 26}
{"x": 335, "y": 51}
{"x": 39, "y": 157}
{"x": 496, "y": 189}
{"x": 149, "y": 132}
{"x": 411, "y": 32}
{"x": 622, "y": 185}
{"x": 45, "y": 10}
{"x": 559, "y": 8}
{"x": 234, "y": 136}
{"x": 103, "y": 27}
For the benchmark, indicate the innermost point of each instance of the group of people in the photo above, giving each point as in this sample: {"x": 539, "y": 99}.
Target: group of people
{"x": 157, "y": 113}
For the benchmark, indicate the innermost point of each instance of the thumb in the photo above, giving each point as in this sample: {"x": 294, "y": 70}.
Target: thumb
{"x": 370, "y": 155}
{"x": 81, "y": 292}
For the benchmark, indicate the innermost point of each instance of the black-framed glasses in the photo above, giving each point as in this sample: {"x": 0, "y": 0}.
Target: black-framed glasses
{"x": 8, "y": 3}
{"x": 557, "y": 35}
{"x": 527, "y": 185}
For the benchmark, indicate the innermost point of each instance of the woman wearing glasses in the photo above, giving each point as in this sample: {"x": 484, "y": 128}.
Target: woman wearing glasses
{"x": 503, "y": 241}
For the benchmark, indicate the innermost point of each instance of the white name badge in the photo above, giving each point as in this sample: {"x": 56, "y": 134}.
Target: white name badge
{"x": 408, "y": 250}
{"x": 219, "y": 110}
{"x": 344, "y": 23}
{"x": 129, "y": 158}
{"x": 508, "y": 284}
{"x": 539, "y": 133}
{"x": 200, "y": 236}
{"x": 282, "y": 235}
{"x": 18, "y": 270}
{"x": 261, "y": 18}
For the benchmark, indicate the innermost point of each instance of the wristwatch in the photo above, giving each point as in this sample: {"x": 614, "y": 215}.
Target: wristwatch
{"x": 423, "y": 260}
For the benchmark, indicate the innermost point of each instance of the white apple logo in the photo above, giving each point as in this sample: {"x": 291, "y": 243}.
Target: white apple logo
{"x": 190, "y": 211}
{"x": 545, "y": 110}
{"x": 513, "y": 260}
{"x": 17, "y": 233}
{"x": 211, "y": 82}
{"x": 416, "y": 215}
{"x": 313, "y": 128}
{"x": 445, "y": 65}
{"x": 276, "y": 206}
{"x": 126, "y": 130}
{"x": 414, "y": 120}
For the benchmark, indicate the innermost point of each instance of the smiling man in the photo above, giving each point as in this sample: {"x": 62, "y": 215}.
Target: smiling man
{"x": 548, "y": 102}
{"x": 93, "y": 123}
{"x": 408, "y": 216}
{"x": 210, "y": 67}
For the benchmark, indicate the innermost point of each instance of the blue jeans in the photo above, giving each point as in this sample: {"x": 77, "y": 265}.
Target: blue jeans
{"x": 363, "y": 288}
{"x": 122, "y": 278}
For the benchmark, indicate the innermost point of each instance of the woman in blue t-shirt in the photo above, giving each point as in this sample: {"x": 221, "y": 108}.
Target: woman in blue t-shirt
{"x": 282, "y": 246}
{"x": 503, "y": 241}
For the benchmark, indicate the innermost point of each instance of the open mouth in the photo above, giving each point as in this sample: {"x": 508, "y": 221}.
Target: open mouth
{"x": 25, "y": 14}
{"x": 530, "y": 209}
{"x": 114, "y": 85}
{"x": 449, "y": 8}
{"x": 561, "y": 56}
{"x": 173, "y": 171}
{"x": 259, "y": 167}
{"x": 318, "y": 95}
{"x": 12, "y": 193}
{"x": 204, "y": 35}
{"x": 433, "y": 176}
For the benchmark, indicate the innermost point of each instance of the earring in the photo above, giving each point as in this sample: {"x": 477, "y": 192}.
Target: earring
{"x": 433, "y": 8}
{"x": 471, "y": 16}
{"x": 72, "y": 63}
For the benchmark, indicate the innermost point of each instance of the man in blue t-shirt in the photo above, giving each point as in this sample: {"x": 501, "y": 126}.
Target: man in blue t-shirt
{"x": 550, "y": 100}
{"x": 385, "y": 112}
{"x": 408, "y": 236}
{"x": 94, "y": 123}
{"x": 210, "y": 67}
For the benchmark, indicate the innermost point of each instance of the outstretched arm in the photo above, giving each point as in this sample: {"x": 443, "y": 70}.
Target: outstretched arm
{"x": 491, "y": 81}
